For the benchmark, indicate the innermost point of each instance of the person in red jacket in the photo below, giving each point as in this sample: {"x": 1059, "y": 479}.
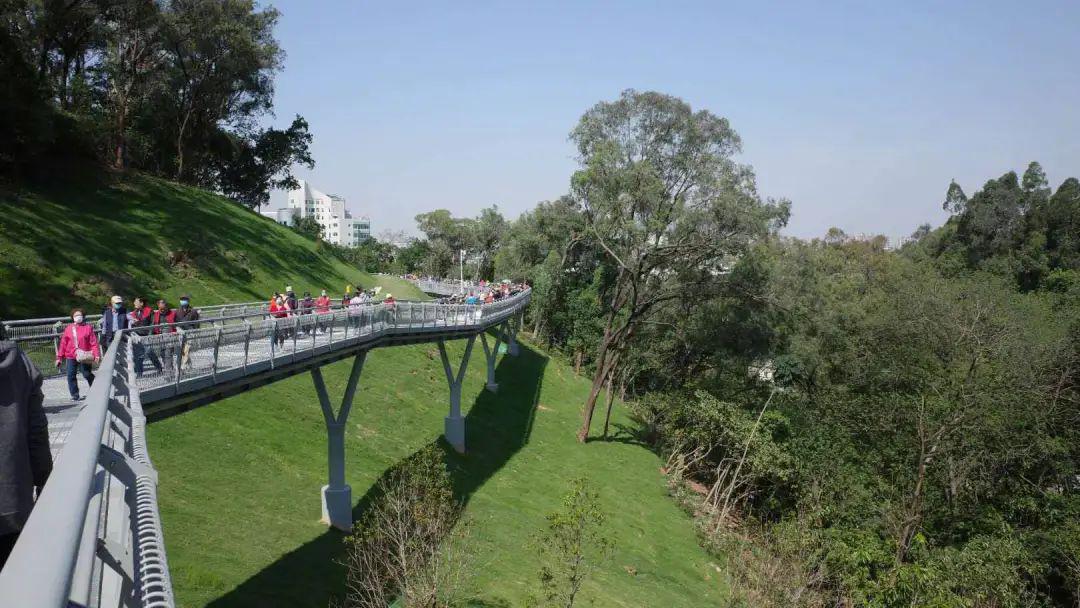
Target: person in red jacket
{"x": 279, "y": 310}
{"x": 164, "y": 315}
{"x": 322, "y": 307}
{"x": 142, "y": 316}
{"x": 78, "y": 339}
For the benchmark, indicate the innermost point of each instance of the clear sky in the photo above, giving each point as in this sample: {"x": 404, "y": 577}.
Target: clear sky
{"x": 859, "y": 112}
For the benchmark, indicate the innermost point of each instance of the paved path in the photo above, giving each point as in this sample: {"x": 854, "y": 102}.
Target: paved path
{"x": 231, "y": 353}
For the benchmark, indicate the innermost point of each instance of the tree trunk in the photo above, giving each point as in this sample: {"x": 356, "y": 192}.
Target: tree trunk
{"x": 610, "y": 401}
{"x": 577, "y": 363}
{"x": 605, "y": 362}
{"x": 121, "y": 137}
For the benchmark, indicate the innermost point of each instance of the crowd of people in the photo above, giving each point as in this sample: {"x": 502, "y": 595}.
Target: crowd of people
{"x": 484, "y": 292}
{"x": 79, "y": 347}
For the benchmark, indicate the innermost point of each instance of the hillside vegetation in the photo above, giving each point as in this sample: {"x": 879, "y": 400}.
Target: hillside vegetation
{"x": 240, "y": 484}
{"x": 82, "y": 239}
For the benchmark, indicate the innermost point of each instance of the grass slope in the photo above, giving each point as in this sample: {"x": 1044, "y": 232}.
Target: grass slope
{"x": 240, "y": 484}
{"x": 78, "y": 240}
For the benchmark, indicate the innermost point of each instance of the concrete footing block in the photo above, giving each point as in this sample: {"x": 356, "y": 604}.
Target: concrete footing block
{"x": 337, "y": 507}
{"x": 492, "y": 386}
{"x": 455, "y": 432}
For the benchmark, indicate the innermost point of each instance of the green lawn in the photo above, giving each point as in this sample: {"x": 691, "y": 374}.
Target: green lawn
{"x": 240, "y": 484}
{"x": 77, "y": 240}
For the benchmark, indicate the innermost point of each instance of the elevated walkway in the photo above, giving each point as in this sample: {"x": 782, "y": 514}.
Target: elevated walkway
{"x": 94, "y": 537}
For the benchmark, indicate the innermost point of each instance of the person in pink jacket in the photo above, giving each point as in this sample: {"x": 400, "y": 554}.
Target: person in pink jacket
{"x": 78, "y": 336}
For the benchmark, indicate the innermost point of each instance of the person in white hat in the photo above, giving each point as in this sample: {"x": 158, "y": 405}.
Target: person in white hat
{"x": 113, "y": 319}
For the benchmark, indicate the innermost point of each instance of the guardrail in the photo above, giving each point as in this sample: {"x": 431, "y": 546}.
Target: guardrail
{"x": 39, "y": 338}
{"x": 94, "y": 537}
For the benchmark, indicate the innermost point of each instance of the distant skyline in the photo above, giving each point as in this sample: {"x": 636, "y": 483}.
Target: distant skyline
{"x": 859, "y": 112}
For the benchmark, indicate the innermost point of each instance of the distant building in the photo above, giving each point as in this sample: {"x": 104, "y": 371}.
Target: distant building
{"x": 281, "y": 216}
{"x": 338, "y": 225}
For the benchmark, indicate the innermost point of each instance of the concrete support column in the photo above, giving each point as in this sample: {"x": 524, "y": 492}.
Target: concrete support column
{"x": 490, "y": 355}
{"x": 337, "y": 495}
{"x": 511, "y": 336}
{"x": 454, "y": 427}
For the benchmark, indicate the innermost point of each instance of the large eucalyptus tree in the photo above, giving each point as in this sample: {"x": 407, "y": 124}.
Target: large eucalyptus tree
{"x": 666, "y": 205}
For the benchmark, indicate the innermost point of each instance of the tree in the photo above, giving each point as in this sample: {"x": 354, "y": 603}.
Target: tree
{"x": 666, "y": 204}
{"x": 955, "y": 199}
{"x": 489, "y": 230}
{"x": 131, "y": 61}
{"x": 221, "y": 62}
{"x": 572, "y": 546}
{"x": 248, "y": 168}
{"x": 307, "y": 226}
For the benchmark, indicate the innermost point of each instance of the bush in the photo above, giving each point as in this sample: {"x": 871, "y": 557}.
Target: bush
{"x": 406, "y": 548}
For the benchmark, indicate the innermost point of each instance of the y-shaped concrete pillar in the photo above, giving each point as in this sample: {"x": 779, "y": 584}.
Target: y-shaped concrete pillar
{"x": 490, "y": 355}
{"x": 337, "y": 495}
{"x": 455, "y": 424}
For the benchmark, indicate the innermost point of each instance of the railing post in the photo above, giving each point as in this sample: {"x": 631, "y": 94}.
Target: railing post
{"x": 180, "y": 356}
{"x": 217, "y": 347}
{"x": 247, "y": 343}
{"x": 273, "y": 340}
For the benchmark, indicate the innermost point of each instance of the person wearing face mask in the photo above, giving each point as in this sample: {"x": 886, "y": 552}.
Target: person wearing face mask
{"x": 77, "y": 350}
{"x": 186, "y": 319}
{"x": 113, "y": 319}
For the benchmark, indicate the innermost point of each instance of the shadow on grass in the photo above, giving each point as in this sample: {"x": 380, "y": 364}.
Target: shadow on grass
{"x": 497, "y": 427}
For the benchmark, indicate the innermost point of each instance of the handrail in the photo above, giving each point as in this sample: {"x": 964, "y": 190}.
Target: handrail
{"x": 94, "y": 536}
{"x": 57, "y": 520}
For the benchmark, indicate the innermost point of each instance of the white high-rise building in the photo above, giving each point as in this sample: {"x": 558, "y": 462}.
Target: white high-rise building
{"x": 338, "y": 225}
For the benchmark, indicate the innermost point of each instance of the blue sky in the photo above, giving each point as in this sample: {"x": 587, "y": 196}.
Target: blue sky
{"x": 859, "y": 112}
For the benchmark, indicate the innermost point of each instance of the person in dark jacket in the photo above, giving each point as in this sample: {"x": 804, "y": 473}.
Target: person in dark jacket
{"x": 186, "y": 319}
{"x": 141, "y": 319}
{"x": 113, "y": 319}
{"x": 25, "y": 460}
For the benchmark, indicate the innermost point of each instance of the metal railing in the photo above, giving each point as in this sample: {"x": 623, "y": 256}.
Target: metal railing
{"x": 94, "y": 537}
{"x": 39, "y": 338}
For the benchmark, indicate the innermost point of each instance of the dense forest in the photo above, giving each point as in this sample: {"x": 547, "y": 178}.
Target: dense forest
{"x": 850, "y": 424}
{"x": 179, "y": 88}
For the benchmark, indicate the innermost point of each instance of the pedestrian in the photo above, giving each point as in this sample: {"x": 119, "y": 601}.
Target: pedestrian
{"x": 113, "y": 319}
{"x": 290, "y": 300}
{"x": 356, "y": 312}
{"x": 162, "y": 323}
{"x": 322, "y": 307}
{"x": 278, "y": 310}
{"x": 141, "y": 319}
{"x": 25, "y": 460}
{"x": 78, "y": 350}
{"x": 186, "y": 320}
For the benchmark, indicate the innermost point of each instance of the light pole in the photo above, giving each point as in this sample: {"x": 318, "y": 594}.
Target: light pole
{"x": 461, "y": 271}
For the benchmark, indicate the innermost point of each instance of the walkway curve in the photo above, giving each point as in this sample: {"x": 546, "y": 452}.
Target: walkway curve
{"x": 94, "y": 537}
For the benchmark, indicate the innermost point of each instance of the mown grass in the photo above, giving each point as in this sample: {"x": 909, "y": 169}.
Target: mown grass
{"x": 240, "y": 479}
{"x": 76, "y": 240}
{"x": 240, "y": 483}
